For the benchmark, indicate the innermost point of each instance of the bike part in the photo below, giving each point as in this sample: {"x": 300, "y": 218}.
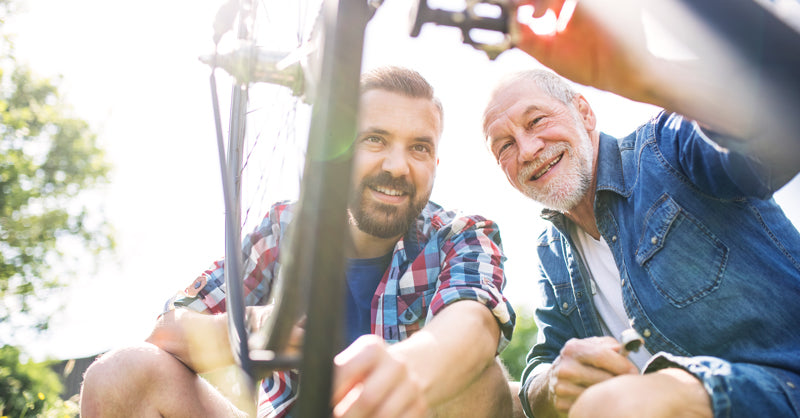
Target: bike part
{"x": 321, "y": 211}
{"x": 476, "y": 16}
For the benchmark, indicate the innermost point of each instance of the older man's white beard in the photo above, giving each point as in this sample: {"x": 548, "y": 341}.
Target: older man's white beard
{"x": 565, "y": 191}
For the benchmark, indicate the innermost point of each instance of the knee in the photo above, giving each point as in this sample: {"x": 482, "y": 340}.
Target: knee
{"x": 121, "y": 367}
{"x": 120, "y": 375}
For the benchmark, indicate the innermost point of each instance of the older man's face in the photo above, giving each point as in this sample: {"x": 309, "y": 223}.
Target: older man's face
{"x": 542, "y": 145}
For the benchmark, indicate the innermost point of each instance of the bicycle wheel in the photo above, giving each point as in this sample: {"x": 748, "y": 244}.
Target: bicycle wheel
{"x": 319, "y": 224}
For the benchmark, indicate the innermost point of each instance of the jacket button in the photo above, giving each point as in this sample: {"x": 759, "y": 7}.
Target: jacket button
{"x": 409, "y": 315}
{"x": 646, "y": 333}
{"x": 654, "y": 240}
{"x": 614, "y": 238}
{"x": 565, "y": 305}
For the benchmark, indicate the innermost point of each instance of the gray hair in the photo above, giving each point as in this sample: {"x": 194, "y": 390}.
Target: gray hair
{"x": 549, "y": 82}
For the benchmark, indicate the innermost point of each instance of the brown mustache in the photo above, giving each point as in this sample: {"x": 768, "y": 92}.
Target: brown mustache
{"x": 388, "y": 181}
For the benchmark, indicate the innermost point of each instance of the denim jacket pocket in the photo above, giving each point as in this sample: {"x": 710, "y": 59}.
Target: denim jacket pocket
{"x": 565, "y": 298}
{"x": 417, "y": 304}
{"x": 684, "y": 260}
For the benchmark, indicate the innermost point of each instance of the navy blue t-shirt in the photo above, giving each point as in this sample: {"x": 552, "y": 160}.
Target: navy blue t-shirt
{"x": 363, "y": 277}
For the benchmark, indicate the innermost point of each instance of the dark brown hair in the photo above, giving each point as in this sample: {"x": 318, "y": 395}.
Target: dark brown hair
{"x": 400, "y": 80}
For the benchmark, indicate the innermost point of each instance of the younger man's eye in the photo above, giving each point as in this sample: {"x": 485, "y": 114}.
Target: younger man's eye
{"x": 421, "y": 148}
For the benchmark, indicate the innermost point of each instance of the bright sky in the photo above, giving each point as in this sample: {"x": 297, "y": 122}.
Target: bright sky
{"x": 131, "y": 69}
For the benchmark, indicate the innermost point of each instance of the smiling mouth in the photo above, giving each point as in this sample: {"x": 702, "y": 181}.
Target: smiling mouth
{"x": 546, "y": 168}
{"x": 387, "y": 191}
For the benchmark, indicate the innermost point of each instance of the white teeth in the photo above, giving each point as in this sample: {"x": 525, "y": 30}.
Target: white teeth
{"x": 547, "y": 168}
{"x": 390, "y": 192}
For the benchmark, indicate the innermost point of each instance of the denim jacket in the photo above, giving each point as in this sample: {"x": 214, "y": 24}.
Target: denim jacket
{"x": 709, "y": 267}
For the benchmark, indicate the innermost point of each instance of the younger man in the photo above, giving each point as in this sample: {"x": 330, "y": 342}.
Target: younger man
{"x": 423, "y": 303}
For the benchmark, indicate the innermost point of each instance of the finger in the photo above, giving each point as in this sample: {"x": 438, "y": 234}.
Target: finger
{"x": 257, "y": 316}
{"x": 609, "y": 360}
{"x": 587, "y": 344}
{"x": 344, "y": 408}
{"x": 301, "y": 322}
{"x": 582, "y": 375}
{"x": 389, "y": 387}
{"x": 566, "y": 389}
{"x": 587, "y": 350}
{"x": 588, "y": 361}
{"x": 295, "y": 344}
{"x": 354, "y": 363}
{"x": 563, "y": 405}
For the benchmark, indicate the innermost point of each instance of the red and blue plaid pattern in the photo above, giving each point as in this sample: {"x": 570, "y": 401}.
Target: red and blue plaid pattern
{"x": 442, "y": 259}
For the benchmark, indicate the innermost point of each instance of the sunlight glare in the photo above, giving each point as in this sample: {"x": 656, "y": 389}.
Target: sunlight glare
{"x": 549, "y": 23}
{"x": 545, "y": 25}
{"x": 566, "y": 14}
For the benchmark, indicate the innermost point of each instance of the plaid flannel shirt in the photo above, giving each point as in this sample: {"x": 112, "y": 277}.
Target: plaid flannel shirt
{"x": 442, "y": 259}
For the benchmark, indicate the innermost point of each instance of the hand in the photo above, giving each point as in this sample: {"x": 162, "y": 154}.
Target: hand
{"x": 371, "y": 381}
{"x": 582, "y": 364}
{"x": 257, "y": 316}
{"x": 600, "y": 44}
{"x": 668, "y": 393}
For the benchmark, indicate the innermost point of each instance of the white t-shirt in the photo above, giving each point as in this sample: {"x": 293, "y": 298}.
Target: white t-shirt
{"x": 606, "y": 289}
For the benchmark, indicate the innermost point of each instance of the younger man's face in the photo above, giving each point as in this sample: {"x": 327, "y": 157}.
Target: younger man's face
{"x": 394, "y": 163}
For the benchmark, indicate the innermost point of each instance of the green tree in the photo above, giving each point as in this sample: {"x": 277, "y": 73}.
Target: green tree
{"x": 514, "y": 355}
{"x": 48, "y": 160}
{"x": 30, "y": 389}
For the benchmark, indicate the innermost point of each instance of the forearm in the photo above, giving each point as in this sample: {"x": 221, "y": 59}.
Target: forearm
{"x": 198, "y": 340}
{"x": 449, "y": 353}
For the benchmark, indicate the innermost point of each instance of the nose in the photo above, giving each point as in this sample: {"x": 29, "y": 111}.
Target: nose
{"x": 395, "y": 162}
{"x": 529, "y": 147}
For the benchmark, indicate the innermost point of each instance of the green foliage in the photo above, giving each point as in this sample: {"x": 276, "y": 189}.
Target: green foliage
{"x": 48, "y": 160}
{"x": 30, "y": 389}
{"x": 514, "y": 355}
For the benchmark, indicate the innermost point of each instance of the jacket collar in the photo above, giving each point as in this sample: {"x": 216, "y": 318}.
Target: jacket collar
{"x": 610, "y": 171}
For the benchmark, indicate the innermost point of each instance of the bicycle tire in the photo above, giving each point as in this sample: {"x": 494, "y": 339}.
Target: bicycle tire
{"x": 324, "y": 190}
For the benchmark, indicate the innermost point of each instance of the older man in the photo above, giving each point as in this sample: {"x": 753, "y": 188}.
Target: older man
{"x": 670, "y": 231}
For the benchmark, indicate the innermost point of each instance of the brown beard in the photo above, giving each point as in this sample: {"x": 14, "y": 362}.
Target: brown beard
{"x": 381, "y": 220}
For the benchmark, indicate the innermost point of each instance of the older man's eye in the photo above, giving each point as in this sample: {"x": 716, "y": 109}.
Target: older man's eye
{"x": 534, "y": 121}
{"x": 502, "y": 148}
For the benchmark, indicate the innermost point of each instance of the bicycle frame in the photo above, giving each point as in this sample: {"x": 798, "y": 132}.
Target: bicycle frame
{"x": 324, "y": 191}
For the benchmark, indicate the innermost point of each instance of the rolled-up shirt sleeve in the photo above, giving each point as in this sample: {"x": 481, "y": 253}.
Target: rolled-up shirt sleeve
{"x": 472, "y": 269}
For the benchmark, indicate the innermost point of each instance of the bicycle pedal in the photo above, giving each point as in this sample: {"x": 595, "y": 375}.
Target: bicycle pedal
{"x": 479, "y": 18}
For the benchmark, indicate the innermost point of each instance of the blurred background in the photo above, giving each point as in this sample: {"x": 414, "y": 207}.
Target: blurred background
{"x": 131, "y": 70}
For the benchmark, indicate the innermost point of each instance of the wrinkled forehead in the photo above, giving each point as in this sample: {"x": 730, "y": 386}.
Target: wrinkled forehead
{"x": 512, "y": 100}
